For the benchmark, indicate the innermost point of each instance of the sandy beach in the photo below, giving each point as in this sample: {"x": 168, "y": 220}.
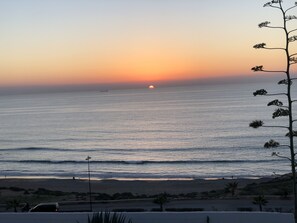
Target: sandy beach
{"x": 147, "y": 187}
{"x": 139, "y": 194}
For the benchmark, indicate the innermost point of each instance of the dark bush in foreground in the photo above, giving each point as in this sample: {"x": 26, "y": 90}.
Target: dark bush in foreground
{"x": 107, "y": 217}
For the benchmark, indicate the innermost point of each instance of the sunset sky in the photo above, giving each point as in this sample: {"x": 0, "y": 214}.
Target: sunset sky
{"x": 123, "y": 41}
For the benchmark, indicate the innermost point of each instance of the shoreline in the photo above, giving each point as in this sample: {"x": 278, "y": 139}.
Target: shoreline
{"x": 144, "y": 178}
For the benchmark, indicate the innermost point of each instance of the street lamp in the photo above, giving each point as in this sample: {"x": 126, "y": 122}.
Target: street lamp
{"x": 90, "y": 191}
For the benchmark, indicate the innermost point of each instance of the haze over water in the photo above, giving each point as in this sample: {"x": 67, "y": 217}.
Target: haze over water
{"x": 175, "y": 132}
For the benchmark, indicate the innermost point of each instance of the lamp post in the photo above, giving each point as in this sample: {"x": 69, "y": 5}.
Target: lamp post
{"x": 90, "y": 191}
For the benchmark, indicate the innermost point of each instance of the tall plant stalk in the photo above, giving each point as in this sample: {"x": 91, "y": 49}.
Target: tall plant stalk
{"x": 283, "y": 110}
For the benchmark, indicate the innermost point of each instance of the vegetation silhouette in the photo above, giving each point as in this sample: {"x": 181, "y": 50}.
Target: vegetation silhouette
{"x": 261, "y": 201}
{"x": 161, "y": 200}
{"x": 283, "y": 109}
{"x": 15, "y": 203}
{"x": 107, "y": 217}
{"x": 231, "y": 188}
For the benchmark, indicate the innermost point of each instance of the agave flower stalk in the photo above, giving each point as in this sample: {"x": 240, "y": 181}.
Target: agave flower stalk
{"x": 284, "y": 110}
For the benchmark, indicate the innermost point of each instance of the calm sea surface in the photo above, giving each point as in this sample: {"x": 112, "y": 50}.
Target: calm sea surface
{"x": 177, "y": 132}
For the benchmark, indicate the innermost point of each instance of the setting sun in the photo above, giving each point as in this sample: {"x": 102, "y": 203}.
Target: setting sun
{"x": 151, "y": 87}
{"x": 151, "y": 46}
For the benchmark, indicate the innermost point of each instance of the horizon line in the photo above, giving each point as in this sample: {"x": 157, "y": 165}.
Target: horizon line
{"x": 57, "y": 88}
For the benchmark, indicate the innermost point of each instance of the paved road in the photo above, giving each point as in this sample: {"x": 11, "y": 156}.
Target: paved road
{"x": 147, "y": 205}
{"x": 206, "y": 205}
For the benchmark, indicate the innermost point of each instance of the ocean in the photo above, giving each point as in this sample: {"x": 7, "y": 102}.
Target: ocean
{"x": 166, "y": 133}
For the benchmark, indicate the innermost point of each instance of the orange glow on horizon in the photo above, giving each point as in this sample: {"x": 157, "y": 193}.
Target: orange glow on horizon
{"x": 100, "y": 42}
{"x": 138, "y": 62}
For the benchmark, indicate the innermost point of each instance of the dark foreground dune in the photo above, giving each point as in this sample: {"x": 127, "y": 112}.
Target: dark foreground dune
{"x": 119, "y": 194}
